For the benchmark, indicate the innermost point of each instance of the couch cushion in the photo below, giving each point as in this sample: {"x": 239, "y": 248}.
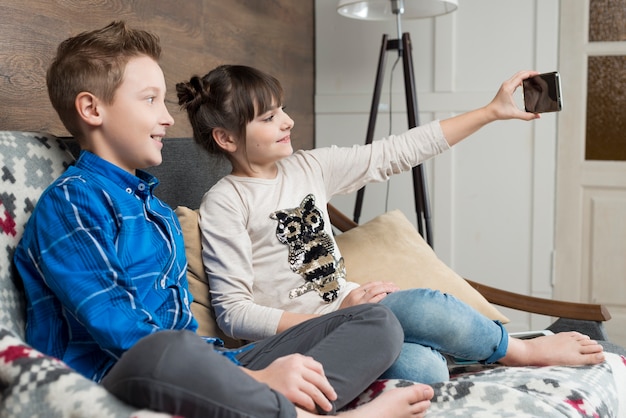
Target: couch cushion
{"x": 198, "y": 281}
{"x": 29, "y": 163}
{"x": 187, "y": 172}
{"x": 36, "y": 385}
{"x": 389, "y": 248}
{"x": 525, "y": 392}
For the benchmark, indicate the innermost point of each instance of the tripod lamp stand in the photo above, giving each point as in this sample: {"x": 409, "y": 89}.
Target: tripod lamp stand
{"x": 382, "y": 10}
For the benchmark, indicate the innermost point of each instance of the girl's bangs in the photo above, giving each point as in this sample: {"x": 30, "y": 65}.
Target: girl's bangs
{"x": 268, "y": 94}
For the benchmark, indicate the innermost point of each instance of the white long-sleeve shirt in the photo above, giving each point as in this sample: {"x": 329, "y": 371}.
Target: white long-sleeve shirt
{"x": 268, "y": 246}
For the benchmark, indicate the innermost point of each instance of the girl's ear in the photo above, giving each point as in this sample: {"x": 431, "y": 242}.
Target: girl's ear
{"x": 88, "y": 109}
{"x": 225, "y": 140}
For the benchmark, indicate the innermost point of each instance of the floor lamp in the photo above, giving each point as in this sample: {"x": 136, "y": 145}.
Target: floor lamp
{"x": 382, "y": 10}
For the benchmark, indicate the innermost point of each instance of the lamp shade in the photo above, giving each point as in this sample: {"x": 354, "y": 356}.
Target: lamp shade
{"x": 384, "y": 9}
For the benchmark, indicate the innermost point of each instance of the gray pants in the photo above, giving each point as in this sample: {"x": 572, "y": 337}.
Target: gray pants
{"x": 178, "y": 373}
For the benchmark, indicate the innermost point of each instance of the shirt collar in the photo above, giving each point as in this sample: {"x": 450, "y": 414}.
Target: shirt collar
{"x": 141, "y": 184}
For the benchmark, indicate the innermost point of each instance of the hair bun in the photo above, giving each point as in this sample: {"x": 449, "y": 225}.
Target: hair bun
{"x": 191, "y": 93}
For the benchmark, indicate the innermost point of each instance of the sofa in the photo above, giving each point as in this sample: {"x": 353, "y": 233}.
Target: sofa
{"x": 34, "y": 384}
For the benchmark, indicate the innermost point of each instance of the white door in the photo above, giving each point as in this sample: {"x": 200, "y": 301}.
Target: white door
{"x": 590, "y": 234}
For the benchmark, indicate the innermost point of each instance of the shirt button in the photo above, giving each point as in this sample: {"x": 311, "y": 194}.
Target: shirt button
{"x": 141, "y": 186}
{"x": 129, "y": 190}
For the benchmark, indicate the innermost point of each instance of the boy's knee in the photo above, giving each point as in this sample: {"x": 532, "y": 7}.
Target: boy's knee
{"x": 142, "y": 359}
{"x": 166, "y": 342}
{"x": 388, "y": 326}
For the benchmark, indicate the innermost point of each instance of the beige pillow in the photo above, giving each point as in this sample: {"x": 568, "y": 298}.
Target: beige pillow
{"x": 400, "y": 255}
{"x": 198, "y": 282}
{"x": 390, "y": 248}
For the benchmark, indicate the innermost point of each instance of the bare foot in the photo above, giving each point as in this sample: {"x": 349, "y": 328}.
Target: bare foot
{"x": 562, "y": 349}
{"x": 409, "y": 401}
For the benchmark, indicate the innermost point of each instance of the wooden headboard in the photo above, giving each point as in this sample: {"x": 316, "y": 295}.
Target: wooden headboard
{"x": 276, "y": 36}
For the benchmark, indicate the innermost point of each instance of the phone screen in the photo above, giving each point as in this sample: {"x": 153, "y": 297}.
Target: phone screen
{"x": 542, "y": 93}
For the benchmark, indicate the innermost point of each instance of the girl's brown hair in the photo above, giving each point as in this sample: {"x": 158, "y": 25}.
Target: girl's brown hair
{"x": 228, "y": 97}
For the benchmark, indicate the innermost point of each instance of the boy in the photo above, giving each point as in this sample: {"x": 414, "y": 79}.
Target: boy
{"x": 104, "y": 269}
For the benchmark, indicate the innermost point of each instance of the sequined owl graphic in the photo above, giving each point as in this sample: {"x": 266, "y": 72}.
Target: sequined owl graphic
{"x": 311, "y": 250}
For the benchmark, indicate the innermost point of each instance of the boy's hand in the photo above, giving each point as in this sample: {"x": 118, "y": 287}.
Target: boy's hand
{"x": 301, "y": 379}
{"x": 372, "y": 292}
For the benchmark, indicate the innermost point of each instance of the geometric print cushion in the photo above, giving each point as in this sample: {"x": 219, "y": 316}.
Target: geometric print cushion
{"x": 595, "y": 391}
{"x": 36, "y": 385}
{"x": 551, "y": 391}
{"x": 29, "y": 162}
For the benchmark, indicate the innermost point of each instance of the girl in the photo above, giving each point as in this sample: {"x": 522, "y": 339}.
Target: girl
{"x": 268, "y": 246}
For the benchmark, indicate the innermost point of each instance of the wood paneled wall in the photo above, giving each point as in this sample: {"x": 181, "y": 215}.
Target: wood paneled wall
{"x": 276, "y": 36}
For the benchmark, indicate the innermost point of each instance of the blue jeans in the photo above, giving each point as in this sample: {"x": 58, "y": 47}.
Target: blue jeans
{"x": 436, "y": 323}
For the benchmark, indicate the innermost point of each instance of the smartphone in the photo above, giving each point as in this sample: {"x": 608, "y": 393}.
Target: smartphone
{"x": 542, "y": 93}
{"x": 530, "y": 334}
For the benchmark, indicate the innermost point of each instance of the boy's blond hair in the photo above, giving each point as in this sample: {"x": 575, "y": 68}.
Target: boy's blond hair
{"x": 94, "y": 62}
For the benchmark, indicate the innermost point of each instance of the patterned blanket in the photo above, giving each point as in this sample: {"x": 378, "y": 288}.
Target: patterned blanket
{"x": 483, "y": 392}
{"x": 36, "y": 385}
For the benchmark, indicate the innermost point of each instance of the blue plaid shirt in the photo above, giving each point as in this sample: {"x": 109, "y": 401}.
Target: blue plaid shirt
{"x": 103, "y": 265}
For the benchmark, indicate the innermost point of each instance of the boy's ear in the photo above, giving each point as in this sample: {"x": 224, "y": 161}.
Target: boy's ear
{"x": 224, "y": 140}
{"x": 88, "y": 109}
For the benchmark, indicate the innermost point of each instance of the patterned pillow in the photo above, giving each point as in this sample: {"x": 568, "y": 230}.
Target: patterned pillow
{"x": 36, "y": 385}
{"x": 496, "y": 391}
{"x": 28, "y": 164}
